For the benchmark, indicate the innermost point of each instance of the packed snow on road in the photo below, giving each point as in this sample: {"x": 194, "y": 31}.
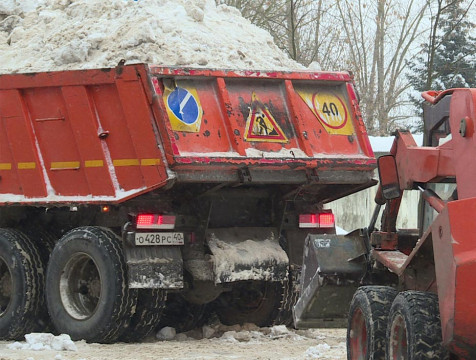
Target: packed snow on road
{"x": 209, "y": 342}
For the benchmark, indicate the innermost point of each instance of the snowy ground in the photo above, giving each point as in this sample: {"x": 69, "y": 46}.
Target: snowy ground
{"x": 247, "y": 342}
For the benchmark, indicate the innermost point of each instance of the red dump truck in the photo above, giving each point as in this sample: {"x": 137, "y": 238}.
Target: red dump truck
{"x": 140, "y": 195}
{"x": 416, "y": 298}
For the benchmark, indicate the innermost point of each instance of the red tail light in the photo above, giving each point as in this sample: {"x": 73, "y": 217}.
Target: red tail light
{"x": 316, "y": 221}
{"x": 327, "y": 220}
{"x": 153, "y": 221}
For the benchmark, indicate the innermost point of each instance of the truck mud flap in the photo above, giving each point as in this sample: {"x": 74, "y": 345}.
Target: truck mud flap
{"x": 154, "y": 267}
{"x": 247, "y": 254}
{"x": 332, "y": 268}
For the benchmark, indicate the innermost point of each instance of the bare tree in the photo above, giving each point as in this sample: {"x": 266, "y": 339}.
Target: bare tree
{"x": 380, "y": 35}
{"x": 372, "y": 38}
{"x": 305, "y": 29}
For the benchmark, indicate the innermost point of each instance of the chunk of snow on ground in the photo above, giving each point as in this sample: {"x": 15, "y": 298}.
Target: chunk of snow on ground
{"x": 317, "y": 351}
{"x": 208, "y": 331}
{"x": 45, "y": 341}
{"x": 166, "y": 333}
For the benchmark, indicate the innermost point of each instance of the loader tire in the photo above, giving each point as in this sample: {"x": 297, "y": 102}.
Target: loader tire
{"x": 256, "y": 302}
{"x": 86, "y": 286}
{"x": 149, "y": 308}
{"x": 289, "y": 299}
{"x": 22, "y": 281}
{"x": 367, "y": 322}
{"x": 414, "y": 327}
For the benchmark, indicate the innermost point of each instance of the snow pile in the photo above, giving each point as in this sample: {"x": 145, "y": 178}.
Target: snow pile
{"x": 44, "y": 341}
{"x": 325, "y": 351}
{"x": 39, "y": 35}
{"x": 318, "y": 350}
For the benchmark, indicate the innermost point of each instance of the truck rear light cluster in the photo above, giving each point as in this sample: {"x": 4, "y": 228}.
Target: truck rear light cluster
{"x": 154, "y": 221}
{"x": 317, "y": 221}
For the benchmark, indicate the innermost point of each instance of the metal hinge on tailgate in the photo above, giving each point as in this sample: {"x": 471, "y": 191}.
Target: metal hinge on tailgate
{"x": 312, "y": 176}
{"x": 245, "y": 175}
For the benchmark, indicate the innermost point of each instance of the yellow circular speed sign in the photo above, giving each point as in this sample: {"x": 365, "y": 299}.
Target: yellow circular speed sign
{"x": 330, "y": 109}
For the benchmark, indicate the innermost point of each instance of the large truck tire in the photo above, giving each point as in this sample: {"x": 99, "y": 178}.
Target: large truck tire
{"x": 182, "y": 315}
{"x": 86, "y": 286}
{"x": 149, "y": 308}
{"x": 45, "y": 243}
{"x": 22, "y": 281}
{"x": 367, "y": 322}
{"x": 256, "y": 302}
{"x": 414, "y": 327}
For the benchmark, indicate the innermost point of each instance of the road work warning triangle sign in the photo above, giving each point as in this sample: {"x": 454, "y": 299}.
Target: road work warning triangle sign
{"x": 261, "y": 125}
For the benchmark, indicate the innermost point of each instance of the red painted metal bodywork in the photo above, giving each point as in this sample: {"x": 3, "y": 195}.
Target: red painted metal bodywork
{"x": 104, "y": 136}
{"x": 451, "y": 235}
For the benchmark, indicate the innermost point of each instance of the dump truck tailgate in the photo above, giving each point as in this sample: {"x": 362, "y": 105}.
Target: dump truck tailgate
{"x": 232, "y": 120}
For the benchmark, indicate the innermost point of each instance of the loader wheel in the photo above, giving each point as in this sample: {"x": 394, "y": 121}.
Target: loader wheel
{"x": 86, "y": 286}
{"x": 149, "y": 308}
{"x": 255, "y": 302}
{"x": 289, "y": 299}
{"x": 22, "y": 280}
{"x": 414, "y": 327}
{"x": 367, "y": 322}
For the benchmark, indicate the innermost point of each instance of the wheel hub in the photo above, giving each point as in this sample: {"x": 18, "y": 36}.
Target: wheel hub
{"x": 358, "y": 336}
{"x": 5, "y": 287}
{"x": 398, "y": 339}
{"x": 80, "y": 286}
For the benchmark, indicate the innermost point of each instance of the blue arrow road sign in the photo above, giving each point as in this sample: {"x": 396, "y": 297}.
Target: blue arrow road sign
{"x": 184, "y": 105}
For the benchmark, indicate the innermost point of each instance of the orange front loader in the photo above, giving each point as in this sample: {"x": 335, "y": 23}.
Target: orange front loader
{"x": 144, "y": 196}
{"x": 417, "y": 298}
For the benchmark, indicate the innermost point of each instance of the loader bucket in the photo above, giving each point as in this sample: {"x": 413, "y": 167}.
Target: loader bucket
{"x": 332, "y": 268}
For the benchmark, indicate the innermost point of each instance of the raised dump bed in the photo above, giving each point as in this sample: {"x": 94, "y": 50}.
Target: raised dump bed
{"x": 107, "y": 135}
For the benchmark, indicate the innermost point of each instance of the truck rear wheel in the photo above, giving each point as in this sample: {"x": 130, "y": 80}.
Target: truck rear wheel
{"x": 255, "y": 302}
{"x": 149, "y": 308}
{"x": 86, "y": 286}
{"x": 414, "y": 327}
{"x": 21, "y": 285}
{"x": 181, "y": 314}
{"x": 367, "y": 324}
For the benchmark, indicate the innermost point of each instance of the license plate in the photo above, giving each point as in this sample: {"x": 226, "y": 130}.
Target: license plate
{"x": 159, "y": 238}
